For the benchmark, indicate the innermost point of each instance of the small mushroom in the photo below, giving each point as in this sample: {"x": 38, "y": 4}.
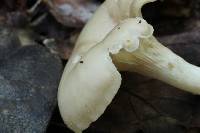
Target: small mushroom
{"x": 116, "y": 38}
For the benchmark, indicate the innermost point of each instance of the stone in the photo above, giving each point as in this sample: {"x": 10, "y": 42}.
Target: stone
{"x": 29, "y": 80}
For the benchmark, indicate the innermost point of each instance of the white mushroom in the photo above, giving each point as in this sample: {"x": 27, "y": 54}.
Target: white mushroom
{"x": 118, "y": 34}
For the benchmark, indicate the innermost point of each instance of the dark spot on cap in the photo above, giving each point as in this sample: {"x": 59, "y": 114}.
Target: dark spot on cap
{"x": 140, "y": 21}
{"x": 118, "y": 27}
{"x": 81, "y": 62}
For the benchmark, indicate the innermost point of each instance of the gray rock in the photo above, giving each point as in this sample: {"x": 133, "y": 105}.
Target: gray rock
{"x": 28, "y": 87}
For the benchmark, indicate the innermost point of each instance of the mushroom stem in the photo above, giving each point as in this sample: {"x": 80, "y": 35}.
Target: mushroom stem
{"x": 155, "y": 60}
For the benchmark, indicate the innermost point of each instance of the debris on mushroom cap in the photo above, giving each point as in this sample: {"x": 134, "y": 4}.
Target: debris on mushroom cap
{"x": 91, "y": 80}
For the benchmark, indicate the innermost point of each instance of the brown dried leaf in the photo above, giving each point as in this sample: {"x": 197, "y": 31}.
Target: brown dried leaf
{"x": 151, "y": 106}
{"x": 72, "y": 13}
